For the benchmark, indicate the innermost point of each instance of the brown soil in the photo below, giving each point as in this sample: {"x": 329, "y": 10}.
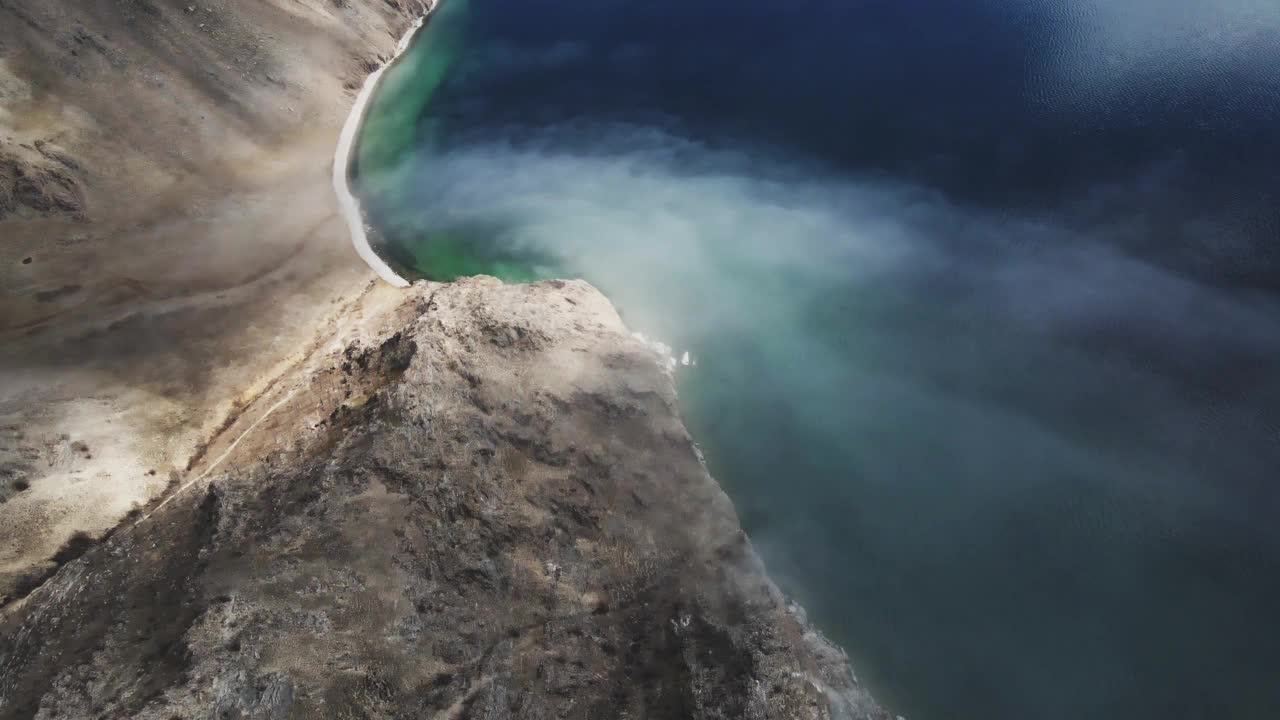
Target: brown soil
{"x": 168, "y": 235}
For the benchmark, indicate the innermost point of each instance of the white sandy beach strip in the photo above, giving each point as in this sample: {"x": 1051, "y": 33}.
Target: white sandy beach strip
{"x": 348, "y": 205}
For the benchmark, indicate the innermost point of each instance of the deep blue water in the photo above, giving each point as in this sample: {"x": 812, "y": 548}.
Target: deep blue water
{"x": 985, "y": 299}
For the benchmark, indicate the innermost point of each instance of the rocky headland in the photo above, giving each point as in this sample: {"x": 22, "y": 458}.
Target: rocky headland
{"x": 241, "y": 478}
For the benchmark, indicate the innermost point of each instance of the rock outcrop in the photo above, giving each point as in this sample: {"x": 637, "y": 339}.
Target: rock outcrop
{"x": 473, "y": 501}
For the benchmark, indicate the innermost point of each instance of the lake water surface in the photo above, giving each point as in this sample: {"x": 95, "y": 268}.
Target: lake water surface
{"x": 984, "y": 298}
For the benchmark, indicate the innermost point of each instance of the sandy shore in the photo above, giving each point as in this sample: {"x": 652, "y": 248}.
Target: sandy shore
{"x": 348, "y": 205}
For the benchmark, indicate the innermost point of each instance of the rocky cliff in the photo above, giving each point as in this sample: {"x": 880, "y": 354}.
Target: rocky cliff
{"x": 240, "y": 479}
{"x": 474, "y": 500}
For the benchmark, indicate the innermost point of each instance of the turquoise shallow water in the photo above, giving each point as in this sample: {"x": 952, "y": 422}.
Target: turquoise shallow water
{"x": 983, "y": 299}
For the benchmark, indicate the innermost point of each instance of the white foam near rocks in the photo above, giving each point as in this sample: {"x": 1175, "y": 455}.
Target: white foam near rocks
{"x": 665, "y": 353}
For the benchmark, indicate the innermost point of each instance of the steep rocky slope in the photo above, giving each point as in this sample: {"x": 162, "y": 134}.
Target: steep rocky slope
{"x": 239, "y": 479}
{"x": 474, "y": 501}
{"x": 169, "y": 239}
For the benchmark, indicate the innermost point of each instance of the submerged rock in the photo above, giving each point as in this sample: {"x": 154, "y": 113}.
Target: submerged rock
{"x": 474, "y": 501}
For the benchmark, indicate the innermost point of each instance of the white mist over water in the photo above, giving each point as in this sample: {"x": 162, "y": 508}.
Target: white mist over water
{"x": 667, "y": 225}
{"x": 1021, "y": 463}
{"x": 865, "y": 286}
{"x": 1032, "y": 394}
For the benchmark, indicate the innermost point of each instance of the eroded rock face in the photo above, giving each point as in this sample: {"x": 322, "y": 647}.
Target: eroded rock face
{"x": 476, "y": 501}
{"x": 43, "y": 188}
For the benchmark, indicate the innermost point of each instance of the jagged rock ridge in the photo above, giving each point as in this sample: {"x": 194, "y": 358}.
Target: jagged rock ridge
{"x": 475, "y": 501}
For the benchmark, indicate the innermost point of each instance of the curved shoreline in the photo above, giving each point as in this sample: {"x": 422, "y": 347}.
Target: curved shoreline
{"x": 348, "y": 205}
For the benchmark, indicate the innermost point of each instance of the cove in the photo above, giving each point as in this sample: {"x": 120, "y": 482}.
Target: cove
{"x": 983, "y": 298}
